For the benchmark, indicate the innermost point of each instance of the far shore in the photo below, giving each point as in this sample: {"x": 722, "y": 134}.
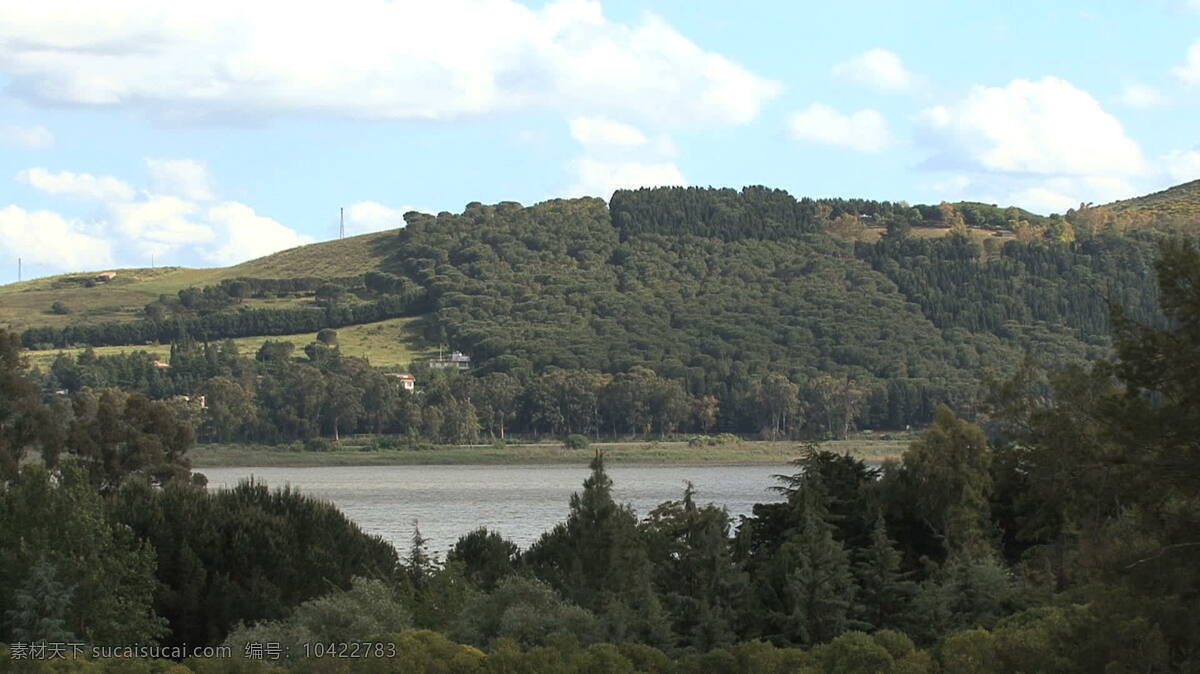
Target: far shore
{"x": 357, "y": 454}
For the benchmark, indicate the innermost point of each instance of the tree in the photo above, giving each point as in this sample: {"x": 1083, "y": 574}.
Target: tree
{"x": 702, "y": 587}
{"x": 24, "y": 422}
{"x": 806, "y": 588}
{"x": 777, "y": 400}
{"x": 526, "y": 611}
{"x": 92, "y": 577}
{"x": 369, "y": 608}
{"x": 884, "y": 594}
{"x": 497, "y": 402}
{"x": 598, "y": 560}
{"x": 327, "y": 337}
{"x": 486, "y": 556}
{"x": 230, "y": 411}
{"x": 950, "y": 465}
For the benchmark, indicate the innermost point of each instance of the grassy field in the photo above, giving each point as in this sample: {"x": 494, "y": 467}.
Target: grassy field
{"x": 546, "y": 453}
{"x": 27, "y": 304}
{"x": 387, "y": 343}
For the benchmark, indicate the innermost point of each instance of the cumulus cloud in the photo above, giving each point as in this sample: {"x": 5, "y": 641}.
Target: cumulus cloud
{"x": 245, "y": 235}
{"x": 174, "y": 221}
{"x": 186, "y": 178}
{"x": 601, "y": 131}
{"x": 368, "y": 59}
{"x": 1047, "y": 127}
{"x": 160, "y": 224}
{"x": 865, "y": 130}
{"x": 1189, "y": 72}
{"x": 876, "y": 68}
{"x": 598, "y": 178}
{"x": 27, "y": 137}
{"x": 47, "y": 238}
{"x": 83, "y": 186}
{"x": 1142, "y": 96}
{"x": 372, "y": 216}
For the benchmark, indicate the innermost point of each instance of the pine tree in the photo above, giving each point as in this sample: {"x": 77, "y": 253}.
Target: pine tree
{"x": 884, "y": 595}
{"x": 598, "y": 560}
{"x": 39, "y": 607}
{"x": 807, "y": 587}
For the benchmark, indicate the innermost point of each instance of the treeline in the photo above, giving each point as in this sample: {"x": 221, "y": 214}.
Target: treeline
{"x": 240, "y": 322}
{"x": 280, "y": 396}
{"x": 762, "y": 213}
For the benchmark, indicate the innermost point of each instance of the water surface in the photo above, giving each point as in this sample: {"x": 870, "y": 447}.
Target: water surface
{"x": 520, "y": 502}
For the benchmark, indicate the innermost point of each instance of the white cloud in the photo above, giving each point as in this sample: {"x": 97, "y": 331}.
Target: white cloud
{"x": 877, "y": 68}
{"x": 601, "y": 131}
{"x": 245, "y": 235}
{"x": 598, "y": 178}
{"x": 171, "y": 222}
{"x": 372, "y": 216}
{"x": 865, "y": 130}
{"x": 185, "y": 178}
{"x": 160, "y": 224}
{"x": 47, "y": 238}
{"x": 1047, "y": 127}
{"x": 27, "y": 137}
{"x": 1182, "y": 166}
{"x": 1189, "y": 72}
{"x": 368, "y": 59}
{"x": 1142, "y": 96}
{"x": 76, "y": 185}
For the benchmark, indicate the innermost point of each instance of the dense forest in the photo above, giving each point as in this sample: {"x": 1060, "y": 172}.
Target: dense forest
{"x": 672, "y": 311}
{"x": 1059, "y": 535}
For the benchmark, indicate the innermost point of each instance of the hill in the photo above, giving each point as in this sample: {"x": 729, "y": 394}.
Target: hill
{"x": 28, "y": 304}
{"x": 1176, "y": 209}
{"x": 1180, "y": 199}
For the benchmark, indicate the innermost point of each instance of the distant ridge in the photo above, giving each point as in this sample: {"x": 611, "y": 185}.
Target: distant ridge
{"x": 1180, "y": 200}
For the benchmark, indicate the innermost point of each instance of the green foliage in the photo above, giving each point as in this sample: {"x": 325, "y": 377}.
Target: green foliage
{"x": 950, "y": 469}
{"x": 231, "y": 556}
{"x": 527, "y": 612}
{"x": 89, "y": 577}
{"x": 577, "y": 441}
{"x": 597, "y": 559}
{"x": 486, "y": 557}
{"x": 368, "y": 609}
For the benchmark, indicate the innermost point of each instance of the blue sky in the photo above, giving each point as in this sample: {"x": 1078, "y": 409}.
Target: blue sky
{"x": 212, "y": 133}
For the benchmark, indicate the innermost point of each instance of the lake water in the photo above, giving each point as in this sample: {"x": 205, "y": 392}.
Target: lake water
{"x": 520, "y": 502}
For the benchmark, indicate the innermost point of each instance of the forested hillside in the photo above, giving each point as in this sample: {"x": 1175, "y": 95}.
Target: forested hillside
{"x": 719, "y": 289}
{"x": 701, "y": 304}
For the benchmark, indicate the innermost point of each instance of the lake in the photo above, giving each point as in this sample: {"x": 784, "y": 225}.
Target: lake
{"x": 520, "y": 502}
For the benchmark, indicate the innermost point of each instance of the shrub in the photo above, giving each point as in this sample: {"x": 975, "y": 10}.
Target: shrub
{"x": 318, "y": 445}
{"x": 59, "y": 308}
{"x": 576, "y": 441}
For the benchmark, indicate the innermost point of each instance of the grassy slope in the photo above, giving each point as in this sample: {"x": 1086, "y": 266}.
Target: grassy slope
{"x": 387, "y": 343}
{"x": 618, "y": 452}
{"x": 27, "y": 304}
{"x": 1178, "y": 200}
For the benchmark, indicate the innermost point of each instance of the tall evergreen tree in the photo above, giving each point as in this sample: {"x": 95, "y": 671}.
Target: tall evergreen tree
{"x": 598, "y": 560}
{"x": 806, "y": 588}
{"x": 884, "y": 594}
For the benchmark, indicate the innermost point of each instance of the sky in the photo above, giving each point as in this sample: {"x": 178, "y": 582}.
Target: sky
{"x": 208, "y": 133}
